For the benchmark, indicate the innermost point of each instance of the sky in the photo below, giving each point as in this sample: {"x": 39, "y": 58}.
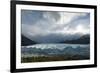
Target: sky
{"x": 54, "y": 26}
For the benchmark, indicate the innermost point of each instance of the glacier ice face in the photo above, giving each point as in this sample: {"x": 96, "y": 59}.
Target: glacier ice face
{"x": 55, "y": 49}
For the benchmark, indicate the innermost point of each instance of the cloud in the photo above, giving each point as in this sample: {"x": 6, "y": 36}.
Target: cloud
{"x": 47, "y": 25}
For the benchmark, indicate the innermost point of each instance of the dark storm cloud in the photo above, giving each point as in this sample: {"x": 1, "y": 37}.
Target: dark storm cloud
{"x": 52, "y": 26}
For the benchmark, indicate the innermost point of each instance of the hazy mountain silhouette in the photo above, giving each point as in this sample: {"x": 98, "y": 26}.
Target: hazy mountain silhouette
{"x": 85, "y": 39}
{"x": 25, "y": 41}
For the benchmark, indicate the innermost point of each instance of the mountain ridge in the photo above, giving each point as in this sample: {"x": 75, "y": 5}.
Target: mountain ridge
{"x": 84, "y": 39}
{"x": 25, "y": 41}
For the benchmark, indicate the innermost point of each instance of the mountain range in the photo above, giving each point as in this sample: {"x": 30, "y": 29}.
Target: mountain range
{"x": 25, "y": 41}
{"x": 84, "y": 39}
